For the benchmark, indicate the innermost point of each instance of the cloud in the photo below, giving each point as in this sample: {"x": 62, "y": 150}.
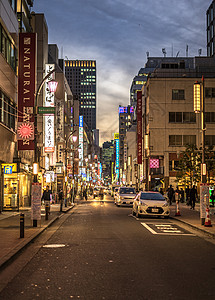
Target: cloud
{"x": 118, "y": 33}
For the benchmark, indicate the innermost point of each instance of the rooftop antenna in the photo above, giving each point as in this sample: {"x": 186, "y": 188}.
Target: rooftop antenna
{"x": 177, "y": 54}
{"x": 187, "y": 47}
{"x": 200, "y": 52}
{"x": 164, "y": 51}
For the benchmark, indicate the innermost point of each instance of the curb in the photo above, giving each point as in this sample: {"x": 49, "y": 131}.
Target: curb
{"x": 194, "y": 227}
{"x": 4, "y": 261}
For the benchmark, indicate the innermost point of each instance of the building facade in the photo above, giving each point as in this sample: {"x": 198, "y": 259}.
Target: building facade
{"x": 169, "y": 119}
{"x": 81, "y": 76}
{"x": 211, "y": 29}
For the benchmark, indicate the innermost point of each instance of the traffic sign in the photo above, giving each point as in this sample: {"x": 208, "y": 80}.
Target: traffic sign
{"x": 49, "y": 110}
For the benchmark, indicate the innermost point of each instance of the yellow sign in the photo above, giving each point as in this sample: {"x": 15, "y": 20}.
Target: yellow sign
{"x": 9, "y": 168}
{"x": 116, "y": 136}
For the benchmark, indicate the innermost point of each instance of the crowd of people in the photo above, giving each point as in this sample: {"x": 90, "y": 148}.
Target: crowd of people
{"x": 188, "y": 195}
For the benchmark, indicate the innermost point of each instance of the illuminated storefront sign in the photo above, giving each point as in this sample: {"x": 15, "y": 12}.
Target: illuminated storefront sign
{"x": 139, "y": 128}
{"x": 81, "y": 140}
{"x": 116, "y": 138}
{"x": 154, "y": 163}
{"x": 49, "y": 119}
{"x": 9, "y": 168}
{"x": 26, "y": 90}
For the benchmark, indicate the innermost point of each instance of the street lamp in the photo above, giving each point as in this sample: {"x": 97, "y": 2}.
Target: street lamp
{"x": 36, "y": 160}
{"x": 199, "y": 107}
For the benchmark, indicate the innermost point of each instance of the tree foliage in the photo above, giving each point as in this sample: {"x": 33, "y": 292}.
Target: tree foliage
{"x": 189, "y": 167}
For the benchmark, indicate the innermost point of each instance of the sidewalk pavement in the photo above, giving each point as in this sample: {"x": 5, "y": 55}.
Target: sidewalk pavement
{"x": 11, "y": 243}
{"x": 192, "y": 217}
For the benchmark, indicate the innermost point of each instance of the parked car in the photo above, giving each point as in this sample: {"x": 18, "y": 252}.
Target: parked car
{"x": 125, "y": 196}
{"x": 150, "y": 204}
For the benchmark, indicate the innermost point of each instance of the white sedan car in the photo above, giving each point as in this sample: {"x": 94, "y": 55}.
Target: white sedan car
{"x": 150, "y": 204}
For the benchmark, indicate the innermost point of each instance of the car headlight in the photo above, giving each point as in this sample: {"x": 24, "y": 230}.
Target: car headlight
{"x": 142, "y": 203}
{"x": 121, "y": 198}
{"x": 165, "y": 204}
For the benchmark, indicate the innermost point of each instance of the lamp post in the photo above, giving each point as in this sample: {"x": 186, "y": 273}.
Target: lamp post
{"x": 199, "y": 107}
{"x": 52, "y": 87}
{"x": 74, "y": 138}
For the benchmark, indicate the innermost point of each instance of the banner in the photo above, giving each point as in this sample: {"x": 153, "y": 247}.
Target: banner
{"x": 26, "y": 90}
{"x": 139, "y": 128}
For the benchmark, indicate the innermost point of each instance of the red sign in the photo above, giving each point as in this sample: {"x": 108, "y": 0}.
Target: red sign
{"x": 26, "y": 85}
{"x": 139, "y": 128}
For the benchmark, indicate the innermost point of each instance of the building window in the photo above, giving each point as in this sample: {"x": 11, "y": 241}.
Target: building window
{"x": 189, "y": 140}
{"x": 210, "y": 117}
{"x": 210, "y": 92}
{"x": 182, "y": 140}
{"x": 175, "y": 140}
{"x": 8, "y": 49}
{"x": 178, "y": 95}
{"x": 7, "y": 111}
{"x": 182, "y": 117}
{"x": 210, "y": 140}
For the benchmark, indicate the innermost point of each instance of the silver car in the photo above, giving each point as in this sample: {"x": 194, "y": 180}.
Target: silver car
{"x": 150, "y": 204}
{"x": 125, "y": 196}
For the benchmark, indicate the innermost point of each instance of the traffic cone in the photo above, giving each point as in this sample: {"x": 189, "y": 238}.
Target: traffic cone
{"x": 177, "y": 213}
{"x": 207, "y": 219}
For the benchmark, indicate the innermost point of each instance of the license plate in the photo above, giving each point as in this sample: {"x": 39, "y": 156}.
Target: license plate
{"x": 155, "y": 210}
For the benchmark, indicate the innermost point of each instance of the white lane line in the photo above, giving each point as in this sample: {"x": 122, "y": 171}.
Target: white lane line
{"x": 149, "y": 228}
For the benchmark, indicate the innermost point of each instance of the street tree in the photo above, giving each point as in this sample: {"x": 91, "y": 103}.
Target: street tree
{"x": 189, "y": 166}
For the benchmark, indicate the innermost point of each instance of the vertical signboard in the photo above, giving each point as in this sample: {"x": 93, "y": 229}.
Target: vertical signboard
{"x": 81, "y": 141}
{"x": 49, "y": 119}
{"x": 139, "y": 128}
{"x": 59, "y": 121}
{"x": 36, "y": 201}
{"x": 26, "y": 90}
{"x": 116, "y": 138}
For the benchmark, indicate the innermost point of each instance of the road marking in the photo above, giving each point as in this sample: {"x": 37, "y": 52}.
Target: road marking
{"x": 166, "y": 229}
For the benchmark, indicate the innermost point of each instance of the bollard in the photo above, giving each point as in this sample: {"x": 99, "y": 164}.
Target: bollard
{"x": 22, "y": 225}
{"x": 47, "y": 211}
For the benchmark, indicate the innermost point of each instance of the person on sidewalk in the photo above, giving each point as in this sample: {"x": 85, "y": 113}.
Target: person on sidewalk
{"x": 60, "y": 198}
{"x": 193, "y": 197}
{"x": 47, "y": 197}
{"x": 181, "y": 195}
{"x": 85, "y": 194}
{"x": 187, "y": 193}
{"x": 170, "y": 194}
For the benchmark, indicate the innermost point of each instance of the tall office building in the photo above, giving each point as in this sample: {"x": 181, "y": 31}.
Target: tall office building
{"x": 210, "y": 29}
{"x": 81, "y": 76}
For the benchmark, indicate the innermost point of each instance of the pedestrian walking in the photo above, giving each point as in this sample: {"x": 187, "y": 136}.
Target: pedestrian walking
{"x": 193, "y": 197}
{"x": 60, "y": 198}
{"x": 161, "y": 191}
{"x": 187, "y": 193}
{"x": 170, "y": 194}
{"x": 85, "y": 194}
{"x": 47, "y": 197}
{"x": 177, "y": 194}
{"x": 182, "y": 195}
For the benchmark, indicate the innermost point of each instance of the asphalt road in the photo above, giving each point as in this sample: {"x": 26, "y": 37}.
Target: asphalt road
{"x": 100, "y": 251}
